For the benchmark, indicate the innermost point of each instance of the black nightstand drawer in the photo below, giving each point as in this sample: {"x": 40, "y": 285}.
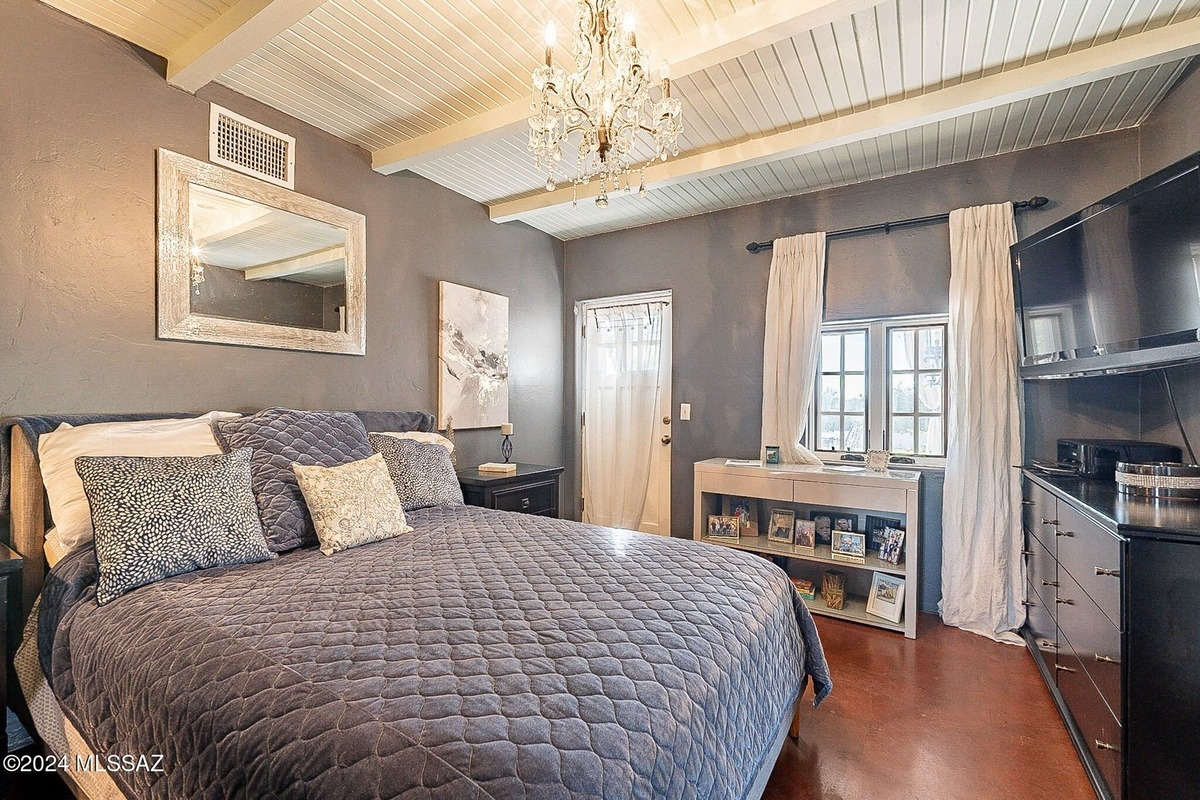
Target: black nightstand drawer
{"x": 531, "y": 489}
{"x": 536, "y": 499}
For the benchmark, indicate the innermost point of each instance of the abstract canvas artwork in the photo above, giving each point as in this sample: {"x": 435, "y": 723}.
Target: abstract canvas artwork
{"x": 472, "y": 357}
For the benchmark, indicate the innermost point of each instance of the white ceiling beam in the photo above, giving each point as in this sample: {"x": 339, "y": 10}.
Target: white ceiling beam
{"x": 724, "y": 40}
{"x": 236, "y": 34}
{"x": 308, "y": 262}
{"x": 1150, "y": 49}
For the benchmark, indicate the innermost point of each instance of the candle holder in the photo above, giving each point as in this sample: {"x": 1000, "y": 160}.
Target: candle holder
{"x": 506, "y": 448}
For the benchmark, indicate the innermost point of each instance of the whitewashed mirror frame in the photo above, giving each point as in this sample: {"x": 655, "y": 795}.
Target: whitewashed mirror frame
{"x": 176, "y": 320}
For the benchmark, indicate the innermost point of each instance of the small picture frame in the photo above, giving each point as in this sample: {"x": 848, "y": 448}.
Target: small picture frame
{"x": 745, "y": 509}
{"x": 849, "y": 546}
{"x": 724, "y": 526}
{"x": 772, "y": 454}
{"x": 892, "y": 546}
{"x": 829, "y": 521}
{"x": 875, "y": 526}
{"x": 886, "y": 599}
{"x": 782, "y": 524}
{"x": 806, "y": 535}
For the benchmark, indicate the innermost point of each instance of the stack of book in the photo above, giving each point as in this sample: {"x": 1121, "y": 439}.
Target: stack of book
{"x": 497, "y": 468}
{"x": 805, "y": 588}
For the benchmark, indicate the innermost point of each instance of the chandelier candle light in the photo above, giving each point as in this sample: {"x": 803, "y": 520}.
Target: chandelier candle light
{"x": 607, "y": 100}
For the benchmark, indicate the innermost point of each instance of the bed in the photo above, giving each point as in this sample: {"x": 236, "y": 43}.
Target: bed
{"x": 486, "y": 654}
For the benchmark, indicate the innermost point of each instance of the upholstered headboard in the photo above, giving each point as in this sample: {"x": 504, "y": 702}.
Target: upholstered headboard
{"x": 23, "y": 497}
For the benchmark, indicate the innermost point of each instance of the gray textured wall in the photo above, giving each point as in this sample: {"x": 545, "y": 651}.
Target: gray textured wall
{"x": 81, "y": 114}
{"x": 720, "y": 289}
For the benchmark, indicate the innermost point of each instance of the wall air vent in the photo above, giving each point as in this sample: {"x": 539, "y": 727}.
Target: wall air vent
{"x": 247, "y": 146}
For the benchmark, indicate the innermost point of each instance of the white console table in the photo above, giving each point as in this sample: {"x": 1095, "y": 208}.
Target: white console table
{"x": 894, "y": 494}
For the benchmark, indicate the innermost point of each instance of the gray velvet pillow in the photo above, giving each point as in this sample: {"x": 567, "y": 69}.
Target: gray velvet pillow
{"x": 281, "y": 437}
{"x": 158, "y": 516}
{"x": 421, "y": 472}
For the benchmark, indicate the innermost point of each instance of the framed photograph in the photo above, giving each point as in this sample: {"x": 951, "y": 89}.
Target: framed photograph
{"x": 724, "y": 526}
{"x": 806, "y": 535}
{"x": 782, "y": 524}
{"x": 745, "y": 509}
{"x": 849, "y": 546}
{"x": 887, "y": 597}
{"x": 874, "y": 528}
{"x": 892, "y": 546}
{"x": 830, "y": 521}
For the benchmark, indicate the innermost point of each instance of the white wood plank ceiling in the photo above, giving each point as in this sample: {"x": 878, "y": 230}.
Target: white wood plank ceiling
{"x": 780, "y": 96}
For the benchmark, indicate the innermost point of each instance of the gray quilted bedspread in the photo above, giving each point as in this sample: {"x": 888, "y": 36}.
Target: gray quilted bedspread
{"x": 485, "y": 655}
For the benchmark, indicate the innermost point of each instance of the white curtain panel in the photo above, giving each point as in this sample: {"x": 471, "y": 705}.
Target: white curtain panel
{"x": 795, "y": 306}
{"x": 982, "y": 571}
{"x": 624, "y": 364}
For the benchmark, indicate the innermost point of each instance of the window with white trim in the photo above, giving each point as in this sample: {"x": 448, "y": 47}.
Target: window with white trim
{"x": 881, "y": 384}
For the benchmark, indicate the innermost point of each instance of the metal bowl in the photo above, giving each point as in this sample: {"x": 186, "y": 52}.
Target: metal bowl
{"x": 1160, "y": 479}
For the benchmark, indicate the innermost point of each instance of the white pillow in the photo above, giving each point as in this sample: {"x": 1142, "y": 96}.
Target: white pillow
{"x": 54, "y": 548}
{"x": 58, "y": 450}
{"x": 421, "y": 436}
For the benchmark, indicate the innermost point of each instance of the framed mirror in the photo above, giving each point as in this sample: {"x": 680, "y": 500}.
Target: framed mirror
{"x": 243, "y": 262}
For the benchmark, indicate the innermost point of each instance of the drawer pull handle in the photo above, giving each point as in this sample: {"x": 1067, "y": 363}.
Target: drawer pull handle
{"x": 1026, "y": 502}
{"x": 1049, "y": 645}
{"x": 1061, "y": 668}
{"x": 1106, "y": 746}
{"x": 524, "y": 502}
{"x": 1112, "y": 573}
{"x": 1065, "y": 601}
{"x": 1049, "y": 583}
{"x": 1107, "y": 659}
{"x": 1049, "y": 521}
{"x": 1064, "y": 533}
{"x": 1027, "y": 552}
{"x": 1028, "y": 603}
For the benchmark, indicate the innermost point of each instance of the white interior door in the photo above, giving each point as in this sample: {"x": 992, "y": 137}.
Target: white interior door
{"x": 625, "y": 397}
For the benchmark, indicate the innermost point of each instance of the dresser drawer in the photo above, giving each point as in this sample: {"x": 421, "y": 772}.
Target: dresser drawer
{"x": 1039, "y": 513}
{"x": 1102, "y": 732}
{"x": 1092, "y": 556}
{"x": 538, "y": 498}
{"x": 1040, "y": 621}
{"x": 1096, "y": 641}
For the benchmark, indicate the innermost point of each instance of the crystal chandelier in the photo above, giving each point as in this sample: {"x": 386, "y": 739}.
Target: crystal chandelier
{"x": 606, "y": 100}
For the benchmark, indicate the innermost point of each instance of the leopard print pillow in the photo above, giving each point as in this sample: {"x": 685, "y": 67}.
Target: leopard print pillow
{"x": 158, "y": 516}
{"x": 422, "y": 472}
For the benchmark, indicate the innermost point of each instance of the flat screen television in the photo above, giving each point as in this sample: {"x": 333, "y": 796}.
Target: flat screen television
{"x": 1116, "y": 286}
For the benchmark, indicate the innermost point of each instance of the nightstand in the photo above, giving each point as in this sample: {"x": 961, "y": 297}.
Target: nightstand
{"x": 532, "y": 489}
{"x": 10, "y": 632}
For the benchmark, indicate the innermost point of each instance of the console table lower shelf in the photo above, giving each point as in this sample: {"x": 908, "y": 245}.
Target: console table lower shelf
{"x": 811, "y": 491}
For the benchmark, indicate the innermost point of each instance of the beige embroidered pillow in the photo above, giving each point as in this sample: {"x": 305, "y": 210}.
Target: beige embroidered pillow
{"x": 353, "y": 504}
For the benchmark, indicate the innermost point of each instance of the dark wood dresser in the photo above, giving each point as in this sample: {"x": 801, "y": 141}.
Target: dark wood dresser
{"x": 532, "y": 489}
{"x": 1113, "y": 595}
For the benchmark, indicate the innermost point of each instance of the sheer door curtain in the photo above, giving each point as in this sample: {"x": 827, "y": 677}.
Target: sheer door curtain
{"x": 624, "y": 362}
{"x": 982, "y": 569}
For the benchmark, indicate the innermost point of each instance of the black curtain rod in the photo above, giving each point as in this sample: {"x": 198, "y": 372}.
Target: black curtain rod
{"x": 886, "y": 227}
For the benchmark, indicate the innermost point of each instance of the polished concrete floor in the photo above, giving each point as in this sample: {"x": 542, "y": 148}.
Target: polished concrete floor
{"x": 948, "y": 716}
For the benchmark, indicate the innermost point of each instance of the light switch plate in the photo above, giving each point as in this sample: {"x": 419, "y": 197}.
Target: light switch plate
{"x": 685, "y": 411}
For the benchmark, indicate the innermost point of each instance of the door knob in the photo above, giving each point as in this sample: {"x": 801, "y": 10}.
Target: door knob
{"x": 666, "y": 420}
{"x": 666, "y": 439}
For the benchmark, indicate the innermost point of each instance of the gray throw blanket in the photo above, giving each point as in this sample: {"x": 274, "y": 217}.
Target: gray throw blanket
{"x": 486, "y": 655}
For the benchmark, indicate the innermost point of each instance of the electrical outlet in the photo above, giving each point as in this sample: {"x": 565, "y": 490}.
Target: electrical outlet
{"x": 685, "y": 411}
